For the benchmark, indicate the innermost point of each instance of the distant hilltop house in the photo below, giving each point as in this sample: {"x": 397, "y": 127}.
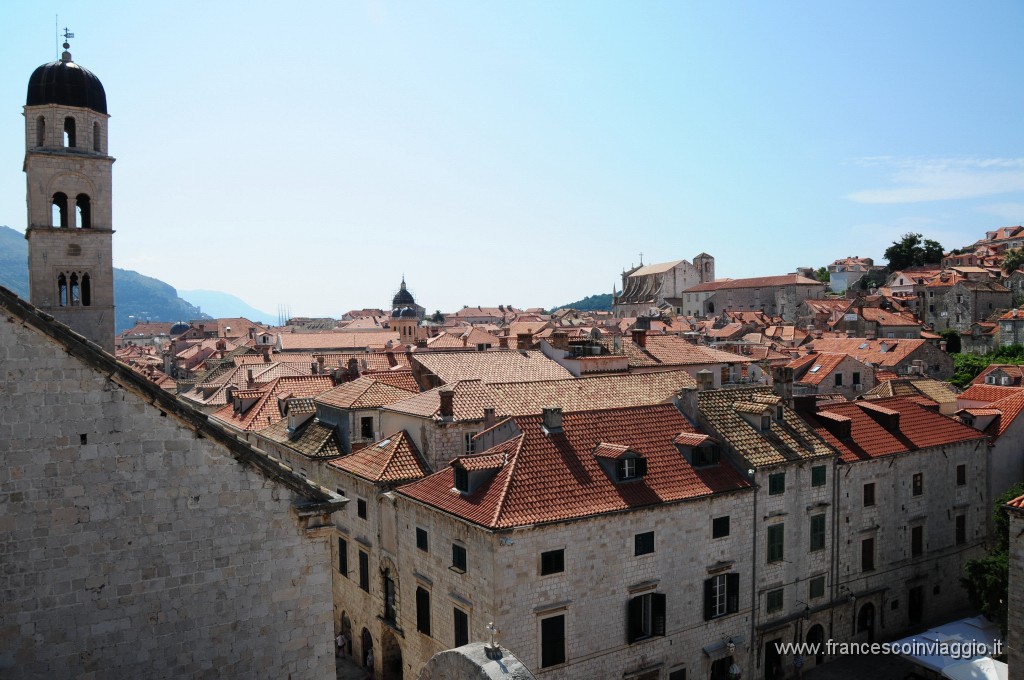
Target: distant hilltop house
{"x": 846, "y": 272}
{"x": 660, "y": 285}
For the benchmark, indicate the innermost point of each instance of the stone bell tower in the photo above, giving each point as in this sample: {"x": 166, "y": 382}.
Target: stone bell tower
{"x": 70, "y": 235}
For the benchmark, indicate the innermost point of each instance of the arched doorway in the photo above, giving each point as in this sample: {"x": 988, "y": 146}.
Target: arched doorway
{"x": 391, "y": 656}
{"x": 346, "y": 630}
{"x": 866, "y": 621}
{"x": 816, "y": 637}
{"x": 366, "y": 651}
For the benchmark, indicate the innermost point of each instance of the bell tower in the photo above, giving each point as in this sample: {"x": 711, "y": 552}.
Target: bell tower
{"x": 69, "y": 233}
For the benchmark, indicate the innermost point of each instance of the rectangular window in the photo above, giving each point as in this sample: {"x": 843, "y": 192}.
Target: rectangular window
{"x": 646, "y": 616}
{"x": 643, "y": 544}
{"x": 776, "y": 483}
{"x": 776, "y": 541}
{"x": 423, "y": 610}
{"x": 721, "y": 595}
{"x": 468, "y": 443}
{"x": 867, "y": 554}
{"x": 343, "y": 557}
{"x": 869, "y": 494}
{"x": 361, "y": 508}
{"x": 856, "y": 378}
{"x": 774, "y": 600}
{"x": 459, "y": 558}
{"x": 961, "y": 529}
{"x": 816, "y": 587}
{"x": 961, "y": 475}
{"x": 918, "y": 484}
{"x": 366, "y": 427}
{"x": 818, "y": 475}
{"x": 839, "y": 379}
{"x": 552, "y": 641}
{"x": 461, "y": 627}
{"x": 720, "y": 527}
{"x": 364, "y": 571}
{"x": 677, "y": 674}
{"x": 422, "y": 540}
{"x": 552, "y": 562}
{"x": 817, "y": 532}
{"x": 916, "y": 541}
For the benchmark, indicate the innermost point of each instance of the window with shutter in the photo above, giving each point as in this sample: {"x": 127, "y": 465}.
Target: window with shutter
{"x": 645, "y": 617}
{"x": 423, "y": 611}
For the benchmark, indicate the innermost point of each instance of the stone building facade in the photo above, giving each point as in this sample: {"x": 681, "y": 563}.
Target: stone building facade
{"x": 138, "y": 539}
{"x": 659, "y": 285}
{"x": 1015, "y": 632}
{"x": 773, "y": 295}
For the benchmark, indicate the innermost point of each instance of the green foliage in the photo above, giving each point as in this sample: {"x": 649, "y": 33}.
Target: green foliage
{"x": 438, "y": 317}
{"x": 913, "y": 251}
{"x": 823, "y": 275}
{"x": 966, "y": 367}
{"x": 591, "y": 303}
{"x": 1012, "y": 260}
{"x": 986, "y": 579}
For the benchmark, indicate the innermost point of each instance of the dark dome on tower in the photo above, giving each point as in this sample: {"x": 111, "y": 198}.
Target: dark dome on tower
{"x": 68, "y": 84}
{"x": 403, "y": 298}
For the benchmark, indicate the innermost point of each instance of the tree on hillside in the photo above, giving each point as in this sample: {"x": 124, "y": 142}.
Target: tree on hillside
{"x": 1012, "y": 260}
{"x": 822, "y": 274}
{"x": 913, "y": 251}
{"x": 987, "y": 579}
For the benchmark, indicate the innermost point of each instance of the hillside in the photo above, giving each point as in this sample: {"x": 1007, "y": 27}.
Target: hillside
{"x": 136, "y": 297}
{"x": 591, "y": 303}
{"x": 224, "y": 305}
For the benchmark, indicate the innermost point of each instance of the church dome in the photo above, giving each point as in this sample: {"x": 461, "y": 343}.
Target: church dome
{"x": 403, "y": 298}
{"x": 408, "y": 313}
{"x": 66, "y": 83}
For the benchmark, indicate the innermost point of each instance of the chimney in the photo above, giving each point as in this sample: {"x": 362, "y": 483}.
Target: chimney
{"x": 447, "y": 410}
{"x": 560, "y": 340}
{"x": 503, "y": 342}
{"x": 782, "y": 377}
{"x": 705, "y": 380}
{"x": 321, "y": 360}
{"x": 640, "y": 337}
{"x": 524, "y": 340}
{"x": 248, "y": 379}
{"x": 489, "y": 418}
{"x": 421, "y": 343}
{"x": 553, "y": 420}
{"x": 266, "y": 355}
{"x": 313, "y": 366}
{"x": 942, "y": 345}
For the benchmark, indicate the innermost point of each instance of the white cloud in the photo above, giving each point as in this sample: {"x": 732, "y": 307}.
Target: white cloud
{"x": 919, "y": 180}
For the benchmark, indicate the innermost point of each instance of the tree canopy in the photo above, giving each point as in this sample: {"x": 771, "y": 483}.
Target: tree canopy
{"x": 987, "y": 579}
{"x": 912, "y": 250}
{"x": 1012, "y": 260}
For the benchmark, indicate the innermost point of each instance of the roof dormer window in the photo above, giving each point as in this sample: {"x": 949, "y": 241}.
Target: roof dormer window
{"x": 620, "y": 463}
{"x": 462, "y": 479}
{"x": 628, "y": 469}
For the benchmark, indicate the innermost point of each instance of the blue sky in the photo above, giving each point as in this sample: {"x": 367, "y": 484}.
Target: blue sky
{"x": 525, "y": 153}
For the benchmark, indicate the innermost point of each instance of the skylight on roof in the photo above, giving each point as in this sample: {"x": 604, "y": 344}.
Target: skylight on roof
{"x": 383, "y": 444}
{"x": 863, "y": 346}
{"x": 817, "y": 367}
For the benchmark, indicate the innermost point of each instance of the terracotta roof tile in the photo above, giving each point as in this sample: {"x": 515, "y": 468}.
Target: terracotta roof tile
{"x": 788, "y": 440}
{"x": 312, "y": 438}
{"x": 491, "y": 366}
{"x": 550, "y": 478}
{"x": 392, "y": 460}
{"x": 757, "y": 282}
{"x": 362, "y": 393}
{"x": 266, "y": 410}
{"x": 918, "y": 428}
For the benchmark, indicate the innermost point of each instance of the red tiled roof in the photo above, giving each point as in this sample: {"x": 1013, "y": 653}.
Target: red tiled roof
{"x": 362, "y": 393}
{"x": 1017, "y": 502}
{"x": 468, "y": 403}
{"x": 299, "y": 342}
{"x": 491, "y": 366}
{"x": 266, "y": 410}
{"x": 554, "y": 477}
{"x": 757, "y": 282}
{"x": 918, "y": 428}
{"x": 986, "y": 393}
{"x": 392, "y": 461}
